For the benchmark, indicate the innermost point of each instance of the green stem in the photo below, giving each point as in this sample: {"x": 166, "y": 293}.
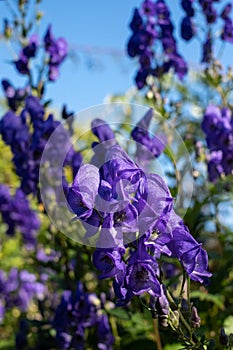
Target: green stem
{"x": 157, "y": 335}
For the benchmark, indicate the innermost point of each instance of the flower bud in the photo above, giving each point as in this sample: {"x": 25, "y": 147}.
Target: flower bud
{"x": 7, "y": 31}
{"x": 195, "y": 319}
{"x": 174, "y": 317}
{"x": 223, "y": 338}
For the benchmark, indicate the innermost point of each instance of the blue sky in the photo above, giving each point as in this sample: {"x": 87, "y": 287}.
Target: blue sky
{"x": 103, "y": 27}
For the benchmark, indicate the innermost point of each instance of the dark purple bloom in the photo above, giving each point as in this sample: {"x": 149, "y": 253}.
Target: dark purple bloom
{"x": 35, "y": 109}
{"x": 137, "y": 21}
{"x": 149, "y": 8}
{"x": 17, "y": 214}
{"x": 141, "y": 273}
{"x": 148, "y": 146}
{"x": 9, "y": 125}
{"x": 195, "y": 319}
{"x": 57, "y": 48}
{"x": 223, "y": 338}
{"x": 188, "y": 7}
{"x": 66, "y": 115}
{"x": 215, "y": 168}
{"x": 104, "y": 332}
{"x": 82, "y": 193}
{"x": 207, "y": 51}
{"x": 209, "y": 11}
{"x": 14, "y": 96}
{"x": 139, "y": 42}
{"x": 106, "y": 139}
{"x": 102, "y": 130}
{"x": 141, "y": 77}
{"x": 109, "y": 262}
{"x": 29, "y": 51}
{"x": 22, "y": 65}
{"x": 227, "y": 33}
{"x": 180, "y": 66}
{"x": 226, "y": 11}
{"x": 188, "y": 29}
{"x": 190, "y": 253}
{"x": 76, "y": 313}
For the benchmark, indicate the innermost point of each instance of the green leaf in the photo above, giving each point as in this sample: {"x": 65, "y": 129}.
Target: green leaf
{"x": 228, "y": 324}
{"x": 119, "y": 313}
{"x": 216, "y": 299}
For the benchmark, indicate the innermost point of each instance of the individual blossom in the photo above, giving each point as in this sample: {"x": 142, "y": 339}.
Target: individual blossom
{"x": 188, "y": 7}
{"x": 148, "y": 146}
{"x": 28, "y": 52}
{"x": 106, "y": 138}
{"x": 188, "y": 29}
{"x": 226, "y": 11}
{"x": 57, "y": 50}
{"x": 215, "y": 168}
{"x": 207, "y": 50}
{"x": 194, "y": 318}
{"x": 189, "y": 252}
{"x": 227, "y": 32}
{"x": 209, "y": 11}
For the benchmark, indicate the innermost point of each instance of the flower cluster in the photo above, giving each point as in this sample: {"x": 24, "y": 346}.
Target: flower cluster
{"x": 78, "y": 312}
{"x": 28, "y": 52}
{"x": 27, "y": 134}
{"x": 131, "y": 214}
{"x": 56, "y": 49}
{"x": 16, "y": 213}
{"x": 17, "y": 289}
{"x": 218, "y": 127}
{"x": 14, "y": 97}
{"x": 151, "y": 24}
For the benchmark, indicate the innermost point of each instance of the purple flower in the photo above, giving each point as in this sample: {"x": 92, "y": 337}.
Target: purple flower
{"x": 29, "y": 51}
{"x": 207, "y": 51}
{"x": 17, "y": 214}
{"x": 141, "y": 273}
{"x": 78, "y": 312}
{"x": 22, "y": 65}
{"x": 83, "y": 191}
{"x": 106, "y": 137}
{"x": 102, "y": 130}
{"x": 209, "y": 11}
{"x": 188, "y": 7}
{"x": 140, "y": 78}
{"x": 188, "y": 29}
{"x": 226, "y": 11}
{"x": 20, "y": 287}
{"x": 14, "y": 96}
{"x": 57, "y": 50}
{"x": 148, "y": 146}
{"x": 190, "y": 253}
{"x": 215, "y": 168}
{"x": 110, "y": 263}
{"x": 137, "y": 21}
{"x": 227, "y": 33}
